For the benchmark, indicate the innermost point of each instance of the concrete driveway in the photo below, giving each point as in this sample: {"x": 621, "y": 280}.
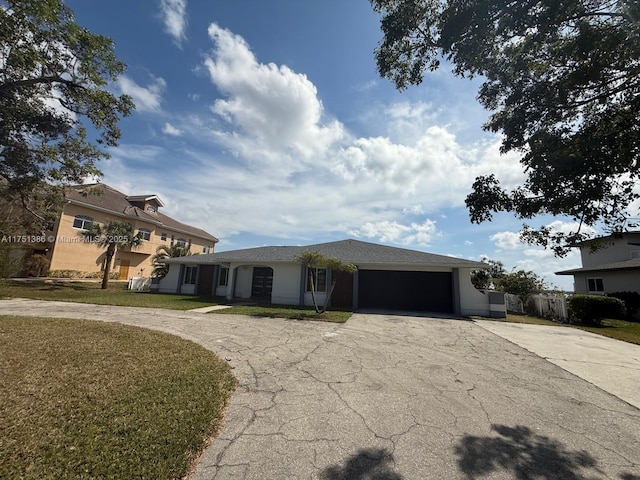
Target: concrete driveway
{"x": 391, "y": 397}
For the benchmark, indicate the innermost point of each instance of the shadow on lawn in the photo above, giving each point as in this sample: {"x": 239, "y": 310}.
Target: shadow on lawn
{"x": 366, "y": 464}
{"x": 525, "y": 454}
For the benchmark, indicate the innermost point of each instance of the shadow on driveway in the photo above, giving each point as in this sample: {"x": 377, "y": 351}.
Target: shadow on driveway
{"x": 522, "y": 452}
{"x": 366, "y": 464}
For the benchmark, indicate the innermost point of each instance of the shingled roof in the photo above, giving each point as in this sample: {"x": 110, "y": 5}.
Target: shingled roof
{"x": 633, "y": 264}
{"x": 108, "y": 199}
{"x": 351, "y": 251}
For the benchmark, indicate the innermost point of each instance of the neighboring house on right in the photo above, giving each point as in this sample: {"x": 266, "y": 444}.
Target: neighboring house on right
{"x": 613, "y": 266}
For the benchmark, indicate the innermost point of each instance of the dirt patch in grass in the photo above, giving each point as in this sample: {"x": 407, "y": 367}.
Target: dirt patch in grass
{"x": 82, "y": 399}
{"x": 289, "y": 312}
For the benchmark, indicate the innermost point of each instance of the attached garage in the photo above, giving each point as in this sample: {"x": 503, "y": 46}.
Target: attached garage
{"x": 406, "y": 290}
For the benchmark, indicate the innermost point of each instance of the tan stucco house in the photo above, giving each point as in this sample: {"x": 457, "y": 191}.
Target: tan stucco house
{"x": 609, "y": 264}
{"x": 98, "y": 203}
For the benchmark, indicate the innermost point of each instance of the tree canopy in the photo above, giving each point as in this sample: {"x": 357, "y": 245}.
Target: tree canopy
{"x": 562, "y": 80}
{"x": 57, "y": 112}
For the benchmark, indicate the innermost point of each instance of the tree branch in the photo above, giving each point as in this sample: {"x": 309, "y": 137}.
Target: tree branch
{"x": 40, "y": 80}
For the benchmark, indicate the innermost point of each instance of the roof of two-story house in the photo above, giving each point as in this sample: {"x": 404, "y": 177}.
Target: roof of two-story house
{"x": 609, "y": 264}
{"x": 98, "y": 203}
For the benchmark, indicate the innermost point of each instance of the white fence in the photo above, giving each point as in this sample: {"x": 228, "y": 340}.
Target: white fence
{"x": 140, "y": 284}
{"x": 546, "y": 305}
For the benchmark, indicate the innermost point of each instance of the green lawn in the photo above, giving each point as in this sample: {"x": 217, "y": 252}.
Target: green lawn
{"x": 82, "y": 399}
{"x": 618, "y": 329}
{"x": 90, "y": 292}
{"x": 117, "y": 294}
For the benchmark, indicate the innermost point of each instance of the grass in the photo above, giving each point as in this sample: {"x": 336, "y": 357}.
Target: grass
{"x": 618, "y": 329}
{"x": 290, "y": 312}
{"x": 82, "y": 399}
{"x": 117, "y": 294}
{"x": 90, "y": 292}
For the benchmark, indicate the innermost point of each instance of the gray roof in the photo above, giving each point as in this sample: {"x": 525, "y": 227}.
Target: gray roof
{"x": 633, "y": 264}
{"x": 351, "y": 251}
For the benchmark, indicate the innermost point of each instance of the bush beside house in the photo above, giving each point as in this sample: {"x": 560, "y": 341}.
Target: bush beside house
{"x": 592, "y": 309}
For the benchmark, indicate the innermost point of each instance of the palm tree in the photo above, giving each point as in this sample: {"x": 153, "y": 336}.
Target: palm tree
{"x": 316, "y": 260}
{"x": 163, "y": 252}
{"x": 112, "y": 235}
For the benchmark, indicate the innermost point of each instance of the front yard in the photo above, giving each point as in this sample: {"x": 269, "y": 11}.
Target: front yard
{"x": 82, "y": 399}
{"x": 117, "y": 294}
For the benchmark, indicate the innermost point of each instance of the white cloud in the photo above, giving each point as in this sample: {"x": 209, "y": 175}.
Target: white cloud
{"x": 174, "y": 15}
{"x": 171, "y": 130}
{"x": 506, "y": 240}
{"x": 273, "y": 106}
{"x": 147, "y": 99}
{"x": 394, "y": 232}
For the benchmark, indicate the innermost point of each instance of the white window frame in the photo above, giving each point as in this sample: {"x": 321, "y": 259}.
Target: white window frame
{"x": 145, "y": 234}
{"x": 84, "y": 221}
{"x": 595, "y": 281}
{"x": 223, "y": 277}
{"x": 316, "y": 279}
{"x": 190, "y": 275}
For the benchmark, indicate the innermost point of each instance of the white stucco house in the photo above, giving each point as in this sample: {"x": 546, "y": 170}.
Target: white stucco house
{"x": 387, "y": 278}
{"x": 609, "y": 264}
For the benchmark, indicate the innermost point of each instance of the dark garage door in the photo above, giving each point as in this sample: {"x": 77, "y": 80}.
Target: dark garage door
{"x": 423, "y": 291}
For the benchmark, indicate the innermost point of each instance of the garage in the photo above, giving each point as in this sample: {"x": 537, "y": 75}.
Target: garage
{"x": 405, "y": 290}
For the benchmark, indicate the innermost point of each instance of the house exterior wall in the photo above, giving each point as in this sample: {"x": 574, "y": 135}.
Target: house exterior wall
{"x": 613, "y": 250}
{"x": 472, "y": 301}
{"x": 169, "y": 284}
{"x": 243, "y": 279}
{"x": 286, "y": 284}
{"x": 70, "y": 252}
{"x": 613, "y": 281}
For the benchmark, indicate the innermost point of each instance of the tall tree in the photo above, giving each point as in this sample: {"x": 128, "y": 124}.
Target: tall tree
{"x": 112, "y": 235}
{"x": 562, "y": 80}
{"x": 56, "y": 107}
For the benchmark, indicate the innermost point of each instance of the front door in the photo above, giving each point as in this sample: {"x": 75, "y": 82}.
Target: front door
{"x": 262, "y": 283}
{"x": 124, "y": 269}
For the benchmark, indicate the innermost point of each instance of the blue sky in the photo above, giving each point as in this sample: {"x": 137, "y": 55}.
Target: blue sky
{"x": 266, "y": 123}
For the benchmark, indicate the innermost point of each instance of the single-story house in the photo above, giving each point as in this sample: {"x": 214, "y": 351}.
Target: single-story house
{"x": 386, "y": 278}
{"x": 609, "y": 264}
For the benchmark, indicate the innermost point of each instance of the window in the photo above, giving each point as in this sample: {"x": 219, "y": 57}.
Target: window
{"x": 595, "y": 285}
{"x": 145, "y": 234}
{"x": 190, "y": 274}
{"x": 173, "y": 238}
{"x": 319, "y": 279}
{"x": 151, "y": 208}
{"x": 181, "y": 242}
{"x": 205, "y": 249}
{"x": 635, "y": 253}
{"x": 163, "y": 236}
{"x": 82, "y": 222}
{"x": 223, "y": 277}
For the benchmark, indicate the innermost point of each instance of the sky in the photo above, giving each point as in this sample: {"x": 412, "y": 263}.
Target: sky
{"x": 266, "y": 123}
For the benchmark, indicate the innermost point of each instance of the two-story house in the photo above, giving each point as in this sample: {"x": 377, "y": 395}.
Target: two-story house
{"x": 85, "y": 204}
{"x": 612, "y": 264}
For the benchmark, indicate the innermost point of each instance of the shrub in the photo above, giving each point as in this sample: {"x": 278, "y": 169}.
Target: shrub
{"x": 36, "y": 265}
{"x": 78, "y": 274}
{"x": 631, "y": 303}
{"x": 591, "y": 309}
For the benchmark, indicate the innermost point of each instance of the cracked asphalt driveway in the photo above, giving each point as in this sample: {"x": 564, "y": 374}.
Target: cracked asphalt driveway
{"x": 391, "y": 397}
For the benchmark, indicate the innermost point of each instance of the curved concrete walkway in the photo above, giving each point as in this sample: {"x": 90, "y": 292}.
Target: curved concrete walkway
{"x": 391, "y": 397}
